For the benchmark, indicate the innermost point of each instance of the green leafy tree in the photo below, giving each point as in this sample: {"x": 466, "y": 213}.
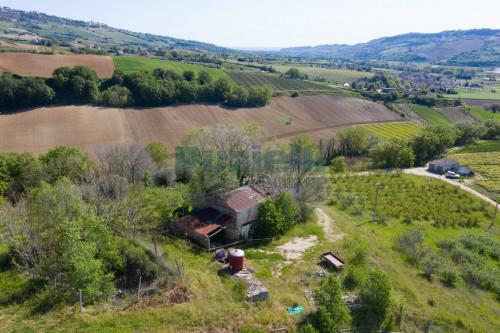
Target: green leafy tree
{"x": 238, "y": 97}
{"x": 276, "y": 216}
{"x": 294, "y": 73}
{"x": 331, "y": 312}
{"x": 492, "y": 129}
{"x": 375, "y": 294}
{"x": 158, "y": 152}
{"x": 337, "y": 165}
{"x": 353, "y": 141}
{"x": 468, "y": 132}
{"x": 189, "y": 75}
{"x": 204, "y": 78}
{"x": 64, "y": 161}
{"x": 392, "y": 153}
{"x": 147, "y": 180}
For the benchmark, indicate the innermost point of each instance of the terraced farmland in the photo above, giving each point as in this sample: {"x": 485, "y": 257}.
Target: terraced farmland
{"x": 410, "y": 114}
{"x": 247, "y": 80}
{"x": 393, "y": 130}
{"x": 457, "y": 114}
{"x": 431, "y": 115}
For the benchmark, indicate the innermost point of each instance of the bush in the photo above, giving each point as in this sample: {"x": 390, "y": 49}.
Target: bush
{"x": 308, "y": 328}
{"x": 276, "y": 216}
{"x": 332, "y": 311}
{"x": 359, "y": 257}
{"x": 164, "y": 176}
{"x": 138, "y": 261}
{"x": 449, "y": 276}
{"x": 430, "y": 264}
{"x": 353, "y": 279}
{"x": 376, "y": 292}
{"x": 411, "y": 241}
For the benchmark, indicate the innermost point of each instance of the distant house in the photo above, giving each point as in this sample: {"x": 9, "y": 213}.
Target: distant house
{"x": 443, "y": 165}
{"x": 347, "y": 85}
{"x": 234, "y": 212}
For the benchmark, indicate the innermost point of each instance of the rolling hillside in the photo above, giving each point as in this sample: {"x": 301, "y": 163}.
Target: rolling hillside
{"x": 89, "y": 127}
{"x": 480, "y": 47}
{"x": 24, "y": 25}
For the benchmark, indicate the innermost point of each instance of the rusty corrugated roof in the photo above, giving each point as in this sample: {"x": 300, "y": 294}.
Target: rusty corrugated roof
{"x": 243, "y": 198}
{"x": 198, "y": 221}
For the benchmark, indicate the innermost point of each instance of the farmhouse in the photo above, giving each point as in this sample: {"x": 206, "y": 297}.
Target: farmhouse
{"x": 234, "y": 212}
{"x": 443, "y": 165}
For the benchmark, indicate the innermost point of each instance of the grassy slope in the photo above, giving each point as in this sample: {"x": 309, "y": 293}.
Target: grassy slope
{"x": 477, "y": 95}
{"x": 485, "y": 115}
{"x": 339, "y": 76}
{"x": 431, "y": 115}
{"x": 135, "y": 64}
{"x": 217, "y": 302}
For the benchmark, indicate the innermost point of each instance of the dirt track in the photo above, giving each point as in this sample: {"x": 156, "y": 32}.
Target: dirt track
{"x": 423, "y": 172}
{"x": 89, "y": 127}
{"x": 43, "y": 65}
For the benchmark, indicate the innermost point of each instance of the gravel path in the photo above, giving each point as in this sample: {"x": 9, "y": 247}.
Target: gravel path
{"x": 423, "y": 172}
{"x": 326, "y": 222}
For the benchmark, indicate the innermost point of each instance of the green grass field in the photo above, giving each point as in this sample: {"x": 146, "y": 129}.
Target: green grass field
{"x": 248, "y": 79}
{"x": 484, "y": 115}
{"x": 393, "y": 130}
{"x": 338, "y": 76}
{"x": 477, "y": 95}
{"x": 135, "y": 64}
{"x": 432, "y": 115}
{"x": 481, "y": 146}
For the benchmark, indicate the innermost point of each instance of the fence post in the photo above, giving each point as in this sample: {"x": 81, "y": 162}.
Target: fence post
{"x": 375, "y": 209}
{"x": 139, "y": 290}
{"x": 494, "y": 216}
{"x": 81, "y": 301}
{"x": 154, "y": 240}
{"x": 178, "y": 268}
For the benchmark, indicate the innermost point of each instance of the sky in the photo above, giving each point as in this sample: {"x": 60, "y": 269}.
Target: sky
{"x": 284, "y": 23}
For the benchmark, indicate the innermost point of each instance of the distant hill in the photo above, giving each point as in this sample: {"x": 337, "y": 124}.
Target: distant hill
{"x": 479, "y": 47}
{"x": 30, "y": 25}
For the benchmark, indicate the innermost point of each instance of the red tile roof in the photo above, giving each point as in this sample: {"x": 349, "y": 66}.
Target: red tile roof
{"x": 198, "y": 221}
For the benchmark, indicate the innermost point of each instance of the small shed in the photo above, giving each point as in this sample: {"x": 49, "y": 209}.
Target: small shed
{"x": 443, "y": 165}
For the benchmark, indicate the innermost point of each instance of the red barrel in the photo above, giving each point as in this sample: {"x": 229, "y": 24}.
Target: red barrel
{"x": 236, "y": 260}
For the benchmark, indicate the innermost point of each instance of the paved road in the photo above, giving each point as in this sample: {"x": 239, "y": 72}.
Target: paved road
{"x": 423, "y": 172}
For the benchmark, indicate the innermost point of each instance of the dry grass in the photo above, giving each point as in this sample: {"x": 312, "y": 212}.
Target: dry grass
{"x": 43, "y": 65}
{"x": 88, "y": 127}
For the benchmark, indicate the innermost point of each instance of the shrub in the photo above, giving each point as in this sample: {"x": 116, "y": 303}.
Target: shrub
{"x": 308, "y": 328}
{"x": 449, "y": 276}
{"x": 431, "y": 264}
{"x": 276, "y": 216}
{"x": 353, "y": 279}
{"x": 332, "y": 311}
{"x": 411, "y": 241}
{"x": 164, "y": 176}
{"x": 375, "y": 293}
{"x": 359, "y": 257}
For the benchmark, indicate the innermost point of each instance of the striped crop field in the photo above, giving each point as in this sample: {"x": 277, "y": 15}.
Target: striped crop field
{"x": 248, "y": 79}
{"x": 393, "y": 130}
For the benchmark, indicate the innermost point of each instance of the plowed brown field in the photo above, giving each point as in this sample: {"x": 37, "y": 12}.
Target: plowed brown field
{"x": 32, "y": 64}
{"x": 89, "y": 127}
